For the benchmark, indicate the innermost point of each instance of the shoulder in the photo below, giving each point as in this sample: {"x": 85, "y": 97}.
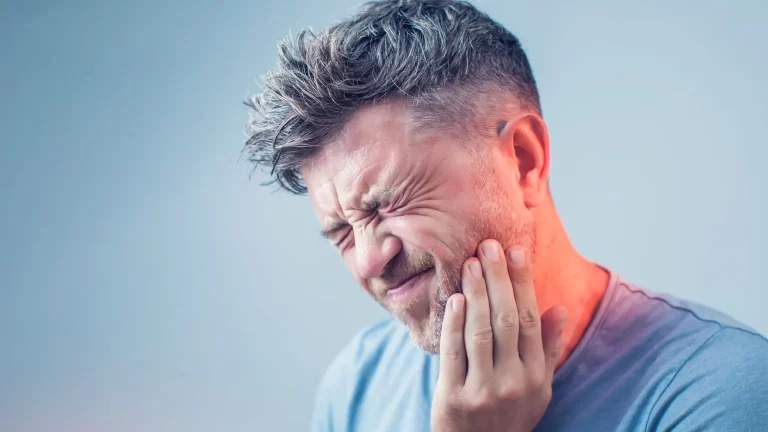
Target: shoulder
{"x": 675, "y": 320}
{"x": 722, "y": 386}
{"x": 633, "y": 295}
{"x": 698, "y": 334}
{"x": 716, "y": 368}
{"x": 673, "y": 304}
{"x": 733, "y": 354}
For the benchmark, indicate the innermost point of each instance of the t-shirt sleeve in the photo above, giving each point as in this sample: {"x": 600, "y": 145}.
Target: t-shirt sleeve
{"x": 722, "y": 387}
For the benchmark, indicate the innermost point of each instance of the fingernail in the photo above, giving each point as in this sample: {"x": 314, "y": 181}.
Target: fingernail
{"x": 490, "y": 250}
{"x": 474, "y": 268}
{"x": 456, "y": 303}
{"x": 517, "y": 257}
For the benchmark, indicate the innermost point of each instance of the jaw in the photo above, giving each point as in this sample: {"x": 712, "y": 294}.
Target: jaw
{"x": 425, "y": 333}
{"x": 427, "y": 337}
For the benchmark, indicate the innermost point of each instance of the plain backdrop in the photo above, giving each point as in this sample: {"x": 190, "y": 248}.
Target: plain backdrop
{"x": 147, "y": 284}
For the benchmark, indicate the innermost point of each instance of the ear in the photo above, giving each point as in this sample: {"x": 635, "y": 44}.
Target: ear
{"x": 526, "y": 143}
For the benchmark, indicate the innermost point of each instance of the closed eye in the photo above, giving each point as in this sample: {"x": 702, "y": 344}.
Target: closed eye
{"x": 331, "y": 231}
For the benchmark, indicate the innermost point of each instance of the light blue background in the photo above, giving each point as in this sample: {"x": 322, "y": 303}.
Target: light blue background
{"x": 148, "y": 285}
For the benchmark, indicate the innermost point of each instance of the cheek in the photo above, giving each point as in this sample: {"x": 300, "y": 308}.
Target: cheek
{"x": 443, "y": 237}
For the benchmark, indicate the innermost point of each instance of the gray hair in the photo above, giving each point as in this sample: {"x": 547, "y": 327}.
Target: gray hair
{"x": 444, "y": 57}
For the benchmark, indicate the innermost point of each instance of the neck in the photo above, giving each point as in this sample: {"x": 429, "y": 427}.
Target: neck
{"x": 564, "y": 278}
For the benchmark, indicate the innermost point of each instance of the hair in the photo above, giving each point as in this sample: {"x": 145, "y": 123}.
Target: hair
{"x": 445, "y": 58}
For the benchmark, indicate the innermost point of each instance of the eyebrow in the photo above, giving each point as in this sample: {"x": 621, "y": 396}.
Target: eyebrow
{"x": 374, "y": 201}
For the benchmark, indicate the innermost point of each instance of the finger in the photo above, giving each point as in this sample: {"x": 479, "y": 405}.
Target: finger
{"x": 453, "y": 356}
{"x": 521, "y": 274}
{"x": 478, "y": 334}
{"x": 503, "y": 308}
{"x": 552, "y": 323}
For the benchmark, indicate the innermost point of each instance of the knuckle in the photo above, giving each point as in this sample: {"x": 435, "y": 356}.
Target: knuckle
{"x": 511, "y": 391}
{"x": 507, "y": 320}
{"x": 521, "y": 278}
{"x": 529, "y": 317}
{"x": 481, "y": 401}
{"x": 483, "y": 335}
{"x": 453, "y": 401}
{"x": 554, "y": 349}
{"x": 452, "y": 354}
{"x": 536, "y": 379}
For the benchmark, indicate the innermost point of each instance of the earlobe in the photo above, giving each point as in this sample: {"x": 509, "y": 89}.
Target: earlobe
{"x": 527, "y": 140}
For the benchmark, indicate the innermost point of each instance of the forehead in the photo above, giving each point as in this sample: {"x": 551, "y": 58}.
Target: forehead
{"x": 378, "y": 147}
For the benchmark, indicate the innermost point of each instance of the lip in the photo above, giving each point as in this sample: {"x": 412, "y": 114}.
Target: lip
{"x": 403, "y": 290}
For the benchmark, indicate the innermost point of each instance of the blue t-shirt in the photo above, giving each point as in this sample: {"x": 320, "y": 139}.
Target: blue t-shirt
{"x": 647, "y": 362}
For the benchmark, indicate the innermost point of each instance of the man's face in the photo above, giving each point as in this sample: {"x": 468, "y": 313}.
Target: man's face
{"x": 405, "y": 208}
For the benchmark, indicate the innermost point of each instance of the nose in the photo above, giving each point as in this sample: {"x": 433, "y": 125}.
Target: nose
{"x": 373, "y": 251}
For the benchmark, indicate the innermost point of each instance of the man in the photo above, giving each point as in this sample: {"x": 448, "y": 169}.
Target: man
{"x": 416, "y": 129}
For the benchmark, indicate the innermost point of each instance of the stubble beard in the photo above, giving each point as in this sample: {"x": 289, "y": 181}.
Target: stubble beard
{"x": 427, "y": 336}
{"x": 496, "y": 220}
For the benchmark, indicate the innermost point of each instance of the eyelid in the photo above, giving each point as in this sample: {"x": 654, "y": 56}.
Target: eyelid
{"x": 339, "y": 243}
{"x": 347, "y": 228}
{"x": 330, "y": 232}
{"x": 372, "y": 208}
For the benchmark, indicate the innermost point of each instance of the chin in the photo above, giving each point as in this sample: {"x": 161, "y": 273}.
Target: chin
{"x": 429, "y": 343}
{"x": 424, "y": 316}
{"x": 426, "y": 333}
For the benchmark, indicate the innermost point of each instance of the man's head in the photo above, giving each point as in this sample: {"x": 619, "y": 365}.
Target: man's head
{"x": 416, "y": 129}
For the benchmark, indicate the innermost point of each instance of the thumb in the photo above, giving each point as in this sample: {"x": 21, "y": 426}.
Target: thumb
{"x": 552, "y": 323}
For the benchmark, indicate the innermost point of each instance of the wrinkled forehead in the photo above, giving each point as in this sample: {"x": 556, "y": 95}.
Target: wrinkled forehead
{"x": 377, "y": 144}
{"x": 347, "y": 178}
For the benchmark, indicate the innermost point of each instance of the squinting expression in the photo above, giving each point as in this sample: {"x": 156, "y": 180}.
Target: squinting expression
{"x": 406, "y": 208}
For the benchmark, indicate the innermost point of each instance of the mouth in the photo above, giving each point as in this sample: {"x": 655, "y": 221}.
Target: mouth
{"x": 408, "y": 285}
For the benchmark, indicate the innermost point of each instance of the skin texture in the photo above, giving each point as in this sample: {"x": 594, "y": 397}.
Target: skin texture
{"x": 438, "y": 199}
{"x": 470, "y": 222}
{"x": 430, "y": 220}
{"x": 497, "y": 359}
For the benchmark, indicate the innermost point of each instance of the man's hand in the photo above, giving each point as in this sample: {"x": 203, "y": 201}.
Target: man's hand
{"x": 497, "y": 355}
